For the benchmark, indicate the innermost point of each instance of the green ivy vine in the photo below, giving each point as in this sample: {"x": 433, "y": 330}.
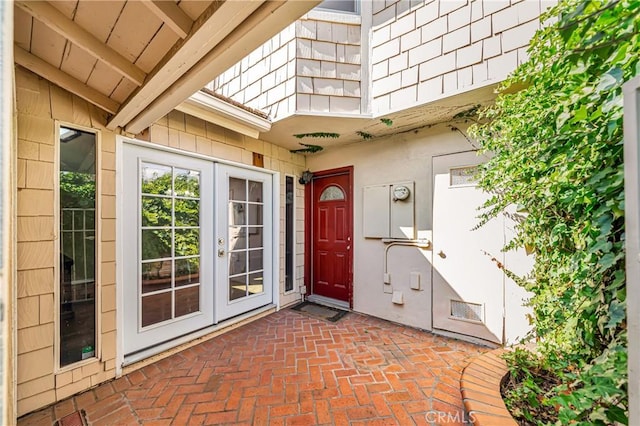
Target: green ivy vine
{"x": 557, "y": 152}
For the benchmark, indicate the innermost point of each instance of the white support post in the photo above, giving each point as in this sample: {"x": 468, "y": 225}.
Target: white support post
{"x": 632, "y": 230}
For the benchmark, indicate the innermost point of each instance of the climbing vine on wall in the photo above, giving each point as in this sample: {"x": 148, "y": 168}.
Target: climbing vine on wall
{"x": 557, "y": 153}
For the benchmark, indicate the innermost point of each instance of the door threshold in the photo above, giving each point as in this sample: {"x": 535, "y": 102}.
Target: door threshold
{"x": 327, "y": 301}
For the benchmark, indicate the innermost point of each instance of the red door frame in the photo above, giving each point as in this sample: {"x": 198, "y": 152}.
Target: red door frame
{"x": 308, "y": 226}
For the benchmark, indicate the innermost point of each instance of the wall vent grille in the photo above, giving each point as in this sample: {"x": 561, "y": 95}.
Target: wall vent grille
{"x": 467, "y": 311}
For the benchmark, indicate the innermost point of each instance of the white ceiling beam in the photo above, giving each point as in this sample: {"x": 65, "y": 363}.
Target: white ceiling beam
{"x": 215, "y": 23}
{"x": 58, "y": 22}
{"x": 171, "y": 15}
{"x": 265, "y": 23}
{"x": 64, "y": 80}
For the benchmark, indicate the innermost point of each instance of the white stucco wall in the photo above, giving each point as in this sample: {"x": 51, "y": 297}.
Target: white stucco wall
{"x": 396, "y": 159}
{"x": 401, "y": 158}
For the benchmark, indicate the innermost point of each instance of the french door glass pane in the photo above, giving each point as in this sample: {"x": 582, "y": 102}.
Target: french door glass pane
{"x": 255, "y": 192}
{"x": 237, "y": 238}
{"x": 255, "y": 260}
{"x": 187, "y": 271}
{"x": 237, "y": 189}
{"x": 156, "y": 211}
{"x": 170, "y": 243}
{"x": 238, "y": 262}
{"x": 255, "y": 237}
{"x": 187, "y": 183}
{"x": 156, "y": 243}
{"x": 187, "y": 300}
{"x": 156, "y": 308}
{"x": 256, "y": 283}
{"x": 237, "y": 287}
{"x": 156, "y": 179}
{"x": 156, "y": 276}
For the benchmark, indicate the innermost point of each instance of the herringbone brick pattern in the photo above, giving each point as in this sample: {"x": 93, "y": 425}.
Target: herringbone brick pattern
{"x": 289, "y": 369}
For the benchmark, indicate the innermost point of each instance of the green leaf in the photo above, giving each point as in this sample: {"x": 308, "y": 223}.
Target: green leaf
{"x": 617, "y": 415}
{"x": 611, "y": 79}
{"x": 616, "y": 314}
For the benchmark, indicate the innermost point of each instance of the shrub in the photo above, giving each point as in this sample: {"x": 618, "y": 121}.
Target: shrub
{"x": 557, "y": 153}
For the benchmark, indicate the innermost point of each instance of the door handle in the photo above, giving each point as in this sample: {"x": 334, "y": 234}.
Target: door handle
{"x": 442, "y": 255}
{"x": 220, "y": 252}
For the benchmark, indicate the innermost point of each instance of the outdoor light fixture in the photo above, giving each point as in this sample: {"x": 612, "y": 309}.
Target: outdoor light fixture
{"x": 305, "y": 178}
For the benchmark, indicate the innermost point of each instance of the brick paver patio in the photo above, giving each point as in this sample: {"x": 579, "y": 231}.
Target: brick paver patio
{"x": 289, "y": 369}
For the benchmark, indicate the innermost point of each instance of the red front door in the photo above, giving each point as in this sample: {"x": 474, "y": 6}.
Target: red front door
{"x": 332, "y": 235}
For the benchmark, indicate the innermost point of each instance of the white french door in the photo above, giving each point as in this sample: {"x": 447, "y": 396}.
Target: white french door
{"x": 244, "y": 238}
{"x": 167, "y": 246}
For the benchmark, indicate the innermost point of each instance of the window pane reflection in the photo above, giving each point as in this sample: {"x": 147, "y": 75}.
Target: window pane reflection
{"x": 255, "y": 214}
{"x": 187, "y": 300}
{"x": 237, "y": 263}
{"x": 156, "y": 308}
{"x": 156, "y": 276}
{"x": 156, "y": 243}
{"x": 187, "y": 242}
{"x": 156, "y": 179}
{"x": 187, "y": 183}
{"x": 237, "y": 287}
{"x": 237, "y": 238}
{"x": 187, "y": 212}
{"x": 255, "y": 260}
{"x": 255, "y": 192}
{"x": 237, "y": 189}
{"x": 187, "y": 271}
{"x": 255, "y": 237}
{"x": 256, "y": 283}
{"x": 237, "y": 212}
{"x": 156, "y": 211}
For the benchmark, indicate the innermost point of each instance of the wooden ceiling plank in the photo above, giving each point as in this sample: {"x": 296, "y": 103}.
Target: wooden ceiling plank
{"x": 77, "y": 63}
{"x": 220, "y": 19}
{"x": 171, "y": 15}
{"x": 66, "y": 7}
{"x": 193, "y": 8}
{"x": 156, "y": 49}
{"x": 123, "y": 90}
{"x": 22, "y": 28}
{"x": 268, "y": 21}
{"x": 47, "y": 44}
{"x": 53, "y": 74}
{"x": 104, "y": 80}
{"x": 99, "y": 17}
{"x": 133, "y": 30}
{"x": 54, "y": 19}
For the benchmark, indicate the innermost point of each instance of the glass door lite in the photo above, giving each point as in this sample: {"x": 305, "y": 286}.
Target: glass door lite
{"x": 244, "y": 239}
{"x": 167, "y": 246}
